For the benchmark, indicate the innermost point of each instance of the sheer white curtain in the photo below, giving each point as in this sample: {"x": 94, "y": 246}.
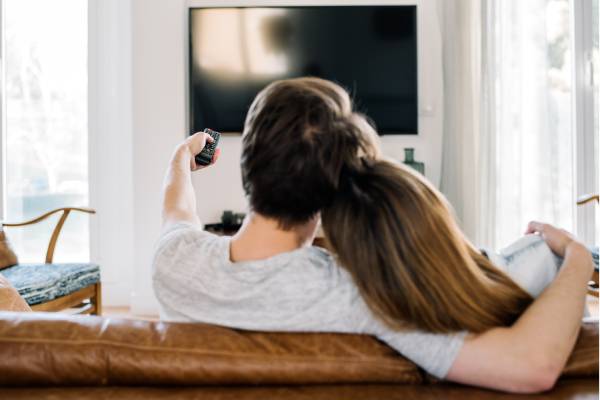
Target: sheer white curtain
{"x": 526, "y": 131}
{"x": 460, "y": 26}
{"x": 508, "y": 148}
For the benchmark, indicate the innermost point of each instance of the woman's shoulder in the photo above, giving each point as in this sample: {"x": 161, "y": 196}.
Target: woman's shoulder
{"x": 326, "y": 263}
{"x": 320, "y": 253}
{"x": 320, "y": 257}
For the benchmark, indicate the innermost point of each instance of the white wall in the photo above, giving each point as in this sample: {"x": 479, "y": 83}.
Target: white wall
{"x": 111, "y": 147}
{"x": 158, "y": 101}
{"x": 225, "y": 176}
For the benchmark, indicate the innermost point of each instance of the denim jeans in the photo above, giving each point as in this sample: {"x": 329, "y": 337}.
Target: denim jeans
{"x": 530, "y": 262}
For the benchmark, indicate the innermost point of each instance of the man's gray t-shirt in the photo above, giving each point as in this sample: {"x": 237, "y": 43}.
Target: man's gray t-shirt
{"x": 301, "y": 291}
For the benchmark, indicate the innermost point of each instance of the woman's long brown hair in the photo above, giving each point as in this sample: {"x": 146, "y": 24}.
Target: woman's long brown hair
{"x": 397, "y": 237}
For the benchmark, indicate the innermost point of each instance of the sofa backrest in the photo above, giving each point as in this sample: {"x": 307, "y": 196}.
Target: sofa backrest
{"x": 56, "y": 349}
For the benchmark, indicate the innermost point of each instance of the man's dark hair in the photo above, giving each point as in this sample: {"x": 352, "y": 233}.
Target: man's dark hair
{"x": 297, "y": 136}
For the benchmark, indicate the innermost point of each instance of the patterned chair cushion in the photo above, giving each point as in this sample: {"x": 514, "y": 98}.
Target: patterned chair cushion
{"x": 39, "y": 283}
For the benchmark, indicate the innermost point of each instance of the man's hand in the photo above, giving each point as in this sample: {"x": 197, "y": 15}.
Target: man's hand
{"x": 581, "y": 256}
{"x": 557, "y": 239}
{"x": 179, "y": 199}
{"x": 563, "y": 244}
{"x": 194, "y": 144}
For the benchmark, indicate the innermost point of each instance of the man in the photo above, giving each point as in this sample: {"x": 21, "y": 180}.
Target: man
{"x": 298, "y": 135}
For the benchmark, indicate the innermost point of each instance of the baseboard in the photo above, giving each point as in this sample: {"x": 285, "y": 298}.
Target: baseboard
{"x": 116, "y": 294}
{"x": 144, "y": 304}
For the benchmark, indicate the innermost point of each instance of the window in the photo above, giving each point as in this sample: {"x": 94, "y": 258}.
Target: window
{"x": 595, "y": 59}
{"x": 585, "y": 50}
{"x": 45, "y": 123}
{"x": 538, "y": 139}
{"x": 533, "y": 116}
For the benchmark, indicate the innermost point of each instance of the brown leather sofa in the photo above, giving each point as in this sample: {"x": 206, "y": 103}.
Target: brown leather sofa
{"x": 45, "y": 355}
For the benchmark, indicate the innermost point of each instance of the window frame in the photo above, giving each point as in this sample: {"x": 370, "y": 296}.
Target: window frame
{"x": 586, "y": 179}
{"x": 2, "y": 117}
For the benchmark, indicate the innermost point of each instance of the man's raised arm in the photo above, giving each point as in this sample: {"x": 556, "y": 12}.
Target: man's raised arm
{"x": 179, "y": 199}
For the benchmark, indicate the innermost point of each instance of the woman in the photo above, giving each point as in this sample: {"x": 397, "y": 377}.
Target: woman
{"x": 408, "y": 277}
{"x": 396, "y": 236}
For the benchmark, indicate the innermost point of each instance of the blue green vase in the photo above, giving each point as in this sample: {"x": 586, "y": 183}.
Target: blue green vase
{"x": 409, "y": 159}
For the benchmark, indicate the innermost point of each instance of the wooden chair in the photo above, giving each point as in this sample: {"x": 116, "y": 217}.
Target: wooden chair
{"x": 588, "y": 198}
{"x": 84, "y": 300}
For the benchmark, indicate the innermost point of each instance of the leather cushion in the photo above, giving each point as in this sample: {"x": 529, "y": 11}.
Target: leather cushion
{"x": 56, "y": 349}
{"x": 9, "y": 297}
{"x": 584, "y": 358}
{"x": 7, "y": 255}
{"x": 39, "y": 283}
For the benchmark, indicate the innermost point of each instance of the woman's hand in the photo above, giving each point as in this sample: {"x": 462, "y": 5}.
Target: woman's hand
{"x": 557, "y": 239}
{"x": 194, "y": 145}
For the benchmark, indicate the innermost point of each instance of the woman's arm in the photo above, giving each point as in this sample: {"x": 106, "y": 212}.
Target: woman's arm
{"x": 179, "y": 199}
{"x": 530, "y": 355}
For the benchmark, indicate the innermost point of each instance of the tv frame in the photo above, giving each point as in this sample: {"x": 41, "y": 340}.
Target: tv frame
{"x": 428, "y": 141}
{"x": 193, "y": 4}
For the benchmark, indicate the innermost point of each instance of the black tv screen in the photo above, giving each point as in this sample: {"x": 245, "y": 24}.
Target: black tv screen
{"x": 370, "y": 50}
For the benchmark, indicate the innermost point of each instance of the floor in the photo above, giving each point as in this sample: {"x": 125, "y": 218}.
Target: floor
{"x": 125, "y": 312}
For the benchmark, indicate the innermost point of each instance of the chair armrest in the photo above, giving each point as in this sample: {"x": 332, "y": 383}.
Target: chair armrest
{"x": 57, "y": 229}
{"x": 49, "y": 213}
{"x": 586, "y": 198}
{"x": 593, "y": 285}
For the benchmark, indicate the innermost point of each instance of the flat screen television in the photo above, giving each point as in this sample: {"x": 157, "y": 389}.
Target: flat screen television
{"x": 370, "y": 50}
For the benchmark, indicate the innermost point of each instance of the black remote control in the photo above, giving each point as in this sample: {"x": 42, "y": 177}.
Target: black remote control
{"x": 206, "y": 155}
